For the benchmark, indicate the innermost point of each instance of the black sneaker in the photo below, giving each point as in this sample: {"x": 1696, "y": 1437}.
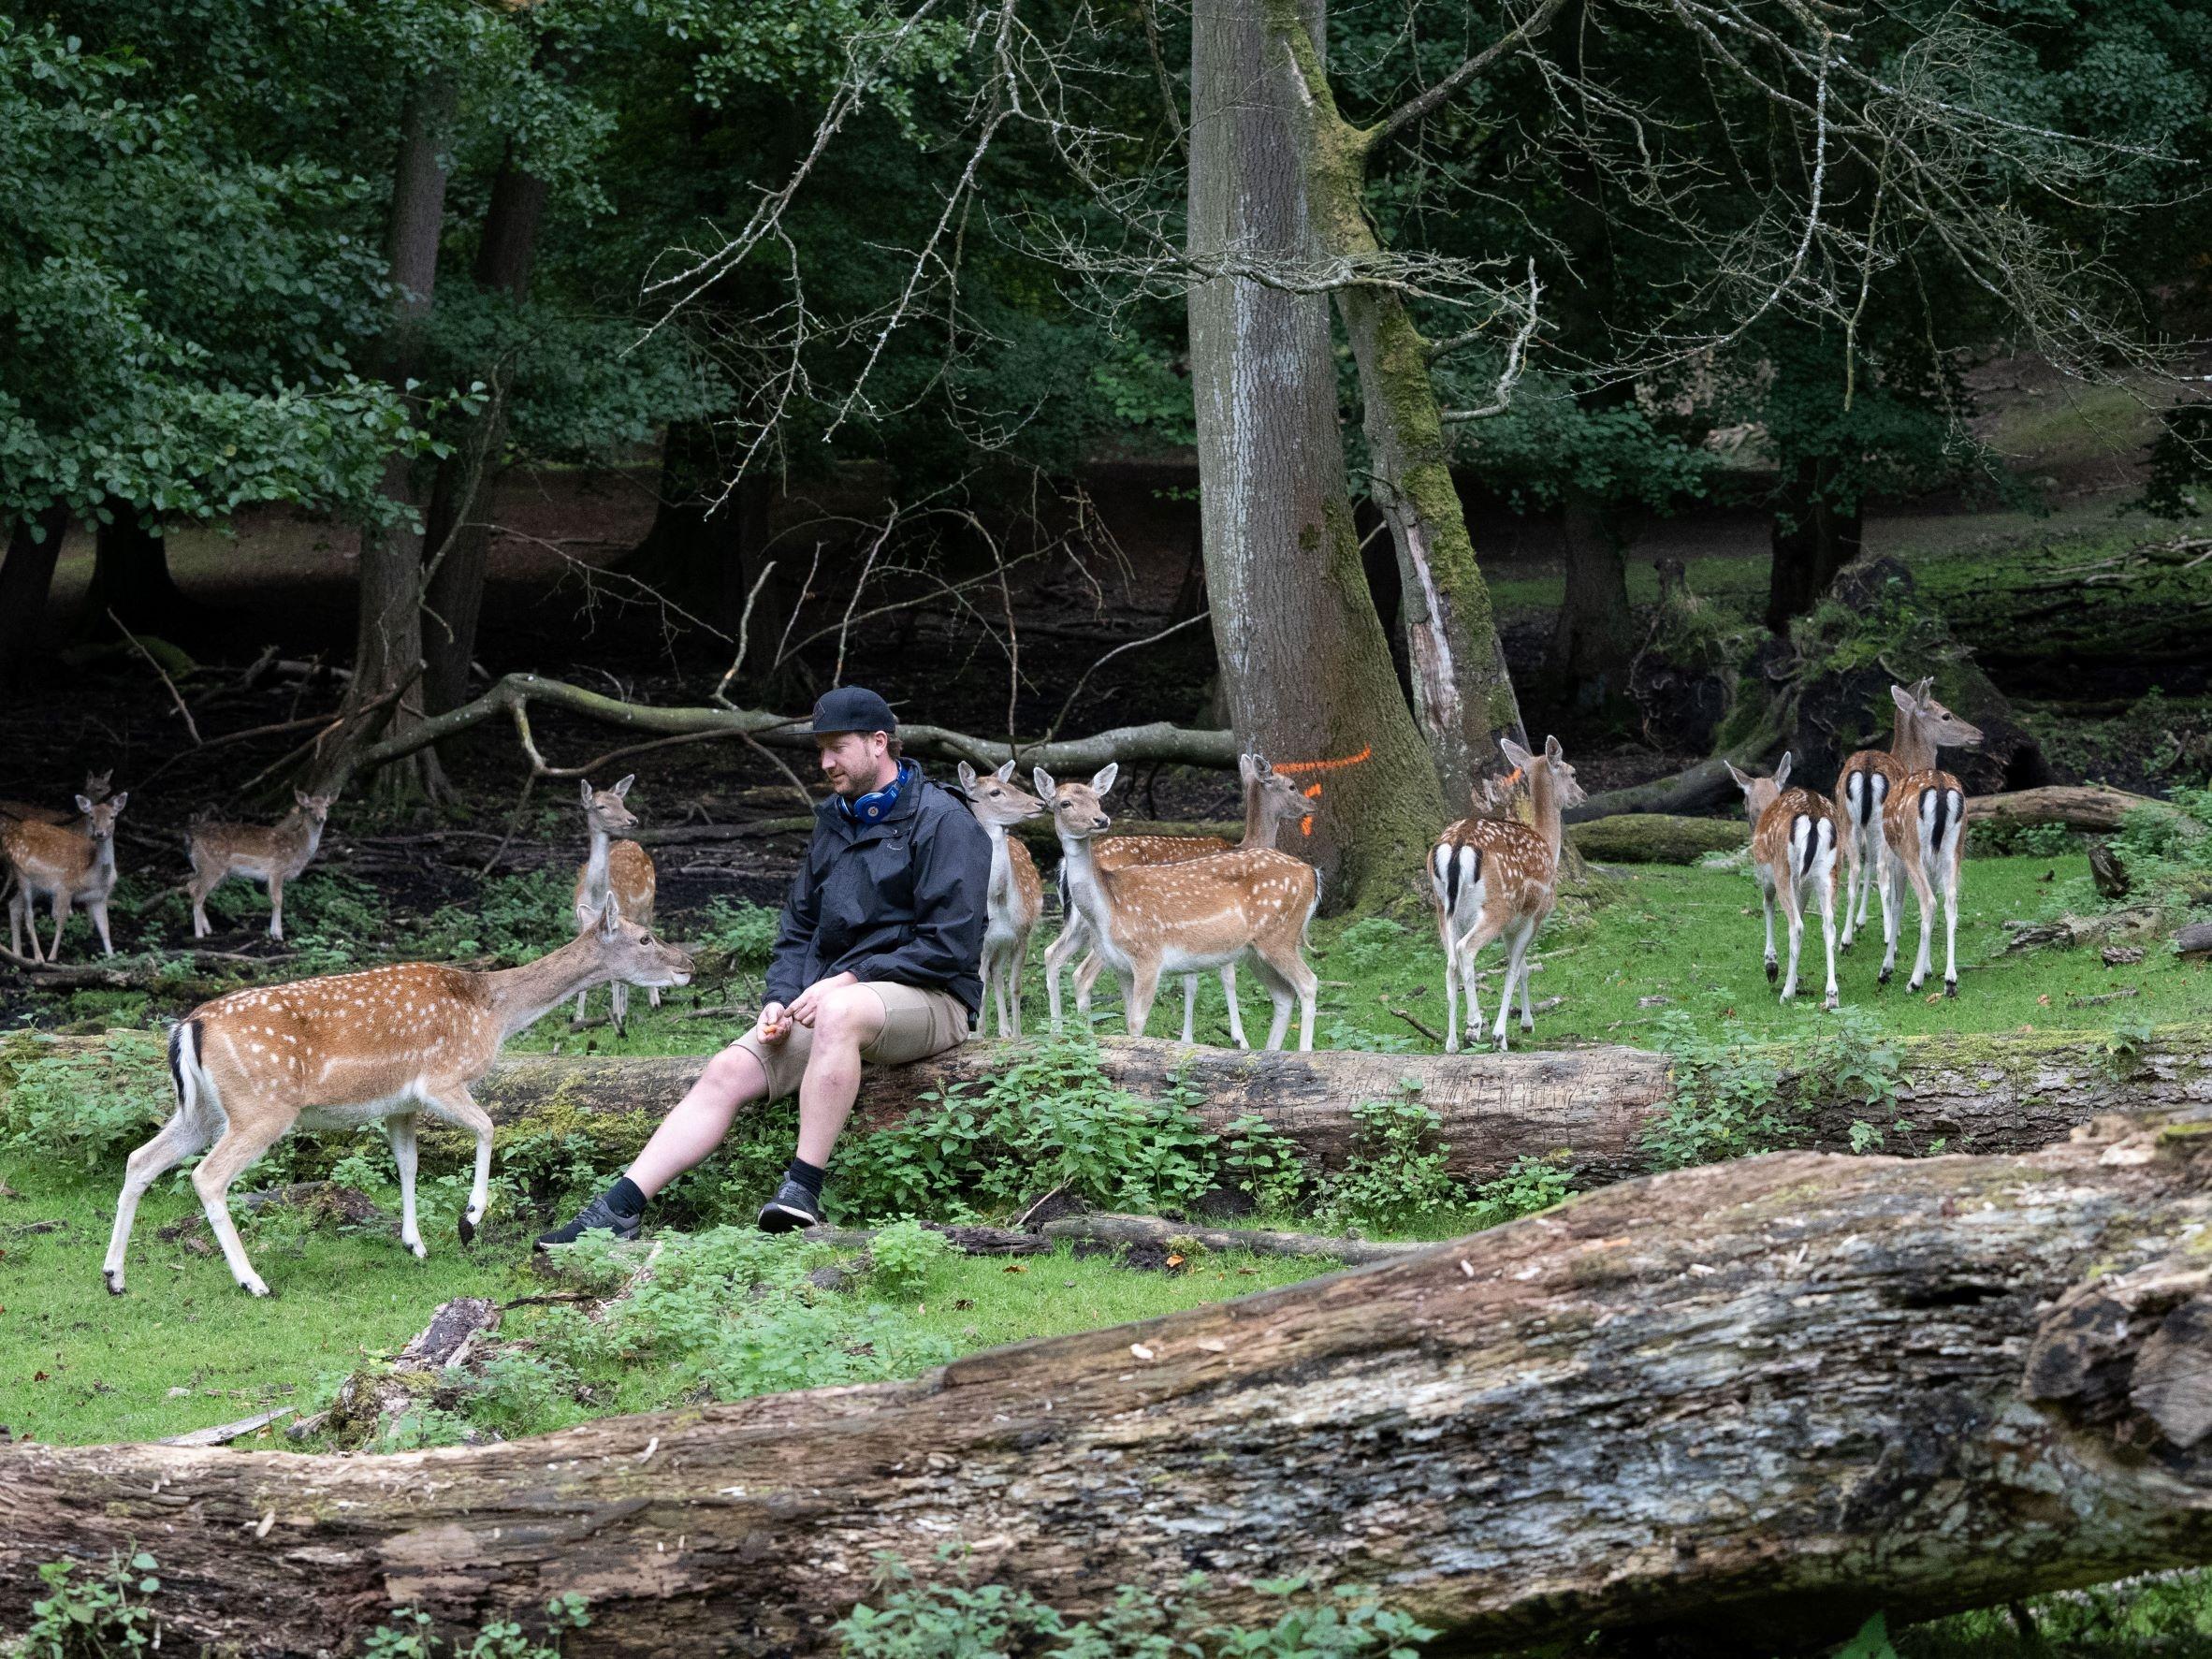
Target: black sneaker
{"x": 792, "y": 1208}
{"x": 595, "y": 1217}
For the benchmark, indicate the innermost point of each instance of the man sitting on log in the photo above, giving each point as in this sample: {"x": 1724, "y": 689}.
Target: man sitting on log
{"x": 877, "y": 960}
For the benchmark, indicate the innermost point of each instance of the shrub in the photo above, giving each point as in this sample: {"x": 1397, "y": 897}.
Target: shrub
{"x": 1264, "y": 1164}
{"x": 903, "y": 1254}
{"x": 1728, "y": 1099}
{"x": 89, "y": 1109}
{"x": 1397, "y": 1174}
{"x": 744, "y": 930}
{"x": 1531, "y": 1187}
{"x": 86, "y": 1617}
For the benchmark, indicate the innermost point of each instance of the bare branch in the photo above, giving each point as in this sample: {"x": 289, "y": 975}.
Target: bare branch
{"x": 1420, "y": 104}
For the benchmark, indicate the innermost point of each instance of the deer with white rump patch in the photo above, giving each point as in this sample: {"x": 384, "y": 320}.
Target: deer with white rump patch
{"x": 1793, "y": 857}
{"x": 1017, "y": 896}
{"x": 1870, "y": 779}
{"x": 69, "y": 865}
{"x": 620, "y": 871}
{"x": 1923, "y": 842}
{"x": 1185, "y": 918}
{"x": 384, "y": 1046}
{"x": 1498, "y": 878}
{"x": 1271, "y": 800}
{"x": 270, "y": 856}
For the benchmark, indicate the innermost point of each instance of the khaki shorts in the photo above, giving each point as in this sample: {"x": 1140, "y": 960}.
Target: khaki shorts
{"x": 916, "y": 1025}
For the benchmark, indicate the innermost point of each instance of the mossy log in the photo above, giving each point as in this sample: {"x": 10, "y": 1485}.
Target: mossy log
{"x": 1597, "y": 1105}
{"x": 1741, "y": 1406}
{"x": 2087, "y": 807}
{"x": 1656, "y": 837}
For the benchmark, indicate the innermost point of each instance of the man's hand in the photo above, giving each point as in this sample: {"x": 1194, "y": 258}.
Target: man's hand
{"x": 775, "y": 1023}
{"x": 808, "y": 1002}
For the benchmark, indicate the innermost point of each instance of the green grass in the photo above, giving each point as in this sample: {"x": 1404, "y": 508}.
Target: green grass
{"x": 78, "y": 1366}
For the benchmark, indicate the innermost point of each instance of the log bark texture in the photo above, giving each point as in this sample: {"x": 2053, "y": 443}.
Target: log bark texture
{"x": 1989, "y": 1093}
{"x": 2083, "y": 806}
{"x": 1761, "y": 1399}
{"x": 1656, "y": 837}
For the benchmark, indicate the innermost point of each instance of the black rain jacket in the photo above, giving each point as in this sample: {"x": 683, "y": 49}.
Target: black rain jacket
{"x": 904, "y": 899}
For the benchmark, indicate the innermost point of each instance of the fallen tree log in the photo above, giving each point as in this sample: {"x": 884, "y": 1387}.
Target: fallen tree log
{"x": 2085, "y": 807}
{"x": 1743, "y": 1406}
{"x": 1995, "y": 1093}
{"x": 1656, "y": 837}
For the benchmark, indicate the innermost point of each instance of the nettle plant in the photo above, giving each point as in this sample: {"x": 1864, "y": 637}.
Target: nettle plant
{"x": 1728, "y": 1099}
{"x": 1398, "y": 1173}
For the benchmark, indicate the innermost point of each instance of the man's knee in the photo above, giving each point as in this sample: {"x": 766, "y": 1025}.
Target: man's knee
{"x": 735, "y": 1071}
{"x": 851, "y": 1015}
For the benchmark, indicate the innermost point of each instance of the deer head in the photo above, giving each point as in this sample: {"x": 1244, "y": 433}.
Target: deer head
{"x": 604, "y": 809}
{"x": 1280, "y": 799}
{"x": 1761, "y": 792}
{"x": 96, "y": 784}
{"x": 995, "y": 797}
{"x": 1076, "y": 812}
{"x": 1938, "y": 725}
{"x": 626, "y": 952}
{"x": 99, "y": 816}
{"x": 1566, "y": 792}
{"x": 316, "y": 807}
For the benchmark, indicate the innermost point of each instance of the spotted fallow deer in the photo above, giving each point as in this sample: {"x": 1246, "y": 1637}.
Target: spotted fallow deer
{"x": 1271, "y": 801}
{"x": 1794, "y": 834}
{"x": 383, "y": 1045}
{"x": 1870, "y": 779}
{"x": 1922, "y": 843}
{"x": 620, "y": 871}
{"x": 1016, "y": 896}
{"x": 270, "y": 856}
{"x": 1185, "y": 918}
{"x": 1497, "y": 878}
{"x": 96, "y": 790}
{"x": 71, "y": 866}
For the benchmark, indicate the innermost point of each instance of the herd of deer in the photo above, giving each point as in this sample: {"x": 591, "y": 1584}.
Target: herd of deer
{"x": 389, "y": 1044}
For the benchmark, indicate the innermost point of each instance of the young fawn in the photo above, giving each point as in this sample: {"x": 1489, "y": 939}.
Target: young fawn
{"x": 1793, "y": 857}
{"x": 270, "y": 856}
{"x": 1497, "y": 878}
{"x": 1870, "y": 777}
{"x": 71, "y": 866}
{"x": 96, "y": 790}
{"x": 385, "y": 1045}
{"x": 1016, "y": 896}
{"x": 618, "y": 870}
{"x": 1271, "y": 800}
{"x": 1184, "y": 918}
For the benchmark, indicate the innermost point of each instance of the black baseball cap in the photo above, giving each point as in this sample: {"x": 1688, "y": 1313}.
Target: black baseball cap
{"x": 852, "y": 709}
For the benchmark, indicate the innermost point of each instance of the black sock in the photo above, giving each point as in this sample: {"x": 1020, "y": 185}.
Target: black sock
{"x": 808, "y": 1175}
{"x": 624, "y": 1199}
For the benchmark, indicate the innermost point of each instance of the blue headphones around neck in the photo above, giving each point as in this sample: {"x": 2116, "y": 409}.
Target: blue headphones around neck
{"x": 871, "y": 807}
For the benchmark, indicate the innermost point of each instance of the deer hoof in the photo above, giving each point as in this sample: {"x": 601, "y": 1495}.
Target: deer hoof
{"x": 1831, "y": 1002}
{"x": 252, "y": 1286}
{"x": 1950, "y": 987}
{"x": 1773, "y": 970}
{"x": 467, "y": 1229}
{"x": 114, "y": 1283}
{"x": 1884, "y": 978}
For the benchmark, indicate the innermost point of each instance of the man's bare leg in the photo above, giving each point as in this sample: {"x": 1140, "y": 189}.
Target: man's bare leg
{"x": 697, "y": 1123}
{"x": 851, "y": 1018}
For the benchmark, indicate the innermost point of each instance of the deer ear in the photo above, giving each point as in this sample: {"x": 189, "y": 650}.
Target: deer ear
{"x": 116, "y": 805}
{"x": 84, "y": 803}
{"x": 1044, "y": 781}
{"x": 1260, "y": 765}
{"x": 1905, "y": 700}
{"x": 966, "y": 775}
{"x": 1782, "y": 773}
{"x": 1552, "y": 751}
{"x": 1102, "y": 780}
{"x": 622, "y": 787}
{"x": 584, "y": 785}
{"x": 1005, "y": 773}
{"x": 1517, "y": 756}
{"x": 610, "y": 918}
{"x": 1742, "y": 782}
{"x": 301, "y": 798}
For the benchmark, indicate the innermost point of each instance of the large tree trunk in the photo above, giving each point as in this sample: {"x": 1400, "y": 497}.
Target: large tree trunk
{"x": 26, "y": 578}
{"x": 131, "y": 579}
{"x": 1304, "y": 666}
{"x": 1743, "y": 1406}
{"x": 708, "y": 539}
{"x": 1813, "y": 539}
{"x": 388, "y": 647}
{"x": 1595, "y": 638}
{"x": 459, "y": 538}
{"x": 1462, "y": 692}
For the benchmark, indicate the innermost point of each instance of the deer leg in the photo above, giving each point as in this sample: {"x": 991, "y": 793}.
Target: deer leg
{"x": 619, "y": 994}
{"x": 1528, "y": 1018}
{"x": 1827, "y": 894}
{"x": 1271, "y": 970}
{"x": 1889, "y": 877}
{"x": 180, "y": 1137}
{"x": 1070, "y": 940}
{"x": 1469, "y": 948}
{"x": 1925, "y": 898}
{"x": 1086, "y": 975}
{"x": 1793, "y": 916}
{"x": 1013, "y": 976}
{"x": 276, "y": 908}
{"x": 1853, "y": 857}
{"x": 456, "y": 1105}
{"x": 1136, "y": 991}
{"x": 400, "y": 1130}
{"x": 1189, "y": 1007}
{"x": 1289, "y": 966}
{"x": 579, "y": 1014}
{"x": 241, "y": 1144}
{"x": 61, "y": 920}
{"x": 1951, "y": 930}
{"x": 97, "y": 910}
{"x": 1517, "y": 944}
{"x": 1236, "y": 1017}
{"x": 1767, "y": 902}
{"x": 1451, "y": 986}
{"x": 198, "y": 890}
